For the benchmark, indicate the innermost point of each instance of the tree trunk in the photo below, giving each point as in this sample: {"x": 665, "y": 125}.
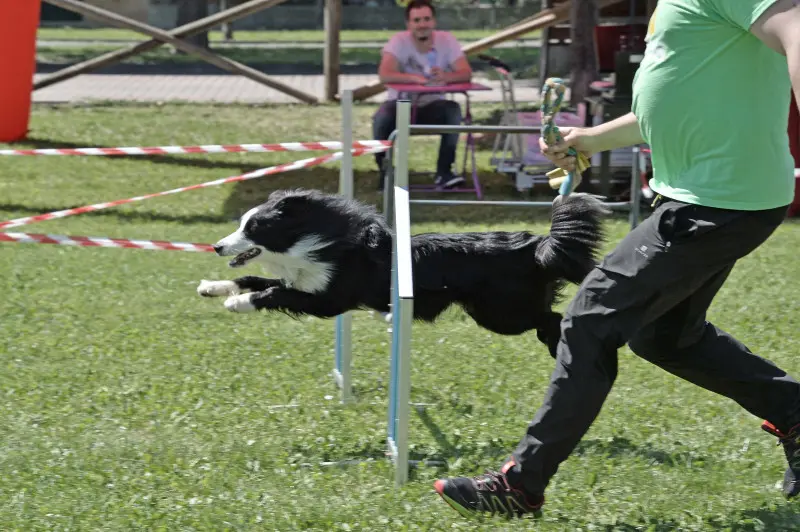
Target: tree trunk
{"x": 583, "y": 19}
{"x": 189, "y": 11}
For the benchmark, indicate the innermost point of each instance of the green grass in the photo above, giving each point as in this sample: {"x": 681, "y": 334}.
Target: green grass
{"x": 129, "y": 403}
{"x": 166, "y": 56}
{"x": 525, "y": 60}
{"x": 81, "y": 34}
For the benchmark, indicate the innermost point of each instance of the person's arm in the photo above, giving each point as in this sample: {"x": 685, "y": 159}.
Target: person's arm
{"x": 389, "y": 71}
{"x": 461, "y": 72}
{"x": 779, "y": 28}
{"x": 618, "y": 133}
{"x": 458, "y": 67}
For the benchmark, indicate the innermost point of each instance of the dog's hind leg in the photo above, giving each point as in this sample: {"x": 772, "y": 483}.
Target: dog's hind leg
{"x": 428, "y": 304}
{"x": 549, "y": 333}
{"x": 237, "y": 286}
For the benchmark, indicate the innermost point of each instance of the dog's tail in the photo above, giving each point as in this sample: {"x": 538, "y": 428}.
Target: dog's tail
{"x": 576, "y": 235}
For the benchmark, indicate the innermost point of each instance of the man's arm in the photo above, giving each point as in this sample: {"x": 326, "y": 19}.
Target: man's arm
{"x": 461, "y": 72}
{"x": 779, "y": 28}
{"x": 389, "y": 71}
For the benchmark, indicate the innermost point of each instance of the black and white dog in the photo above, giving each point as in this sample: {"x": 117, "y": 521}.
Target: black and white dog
{"x": 330, "y": 255}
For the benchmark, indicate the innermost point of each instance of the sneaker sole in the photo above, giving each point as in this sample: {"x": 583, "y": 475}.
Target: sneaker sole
{"x": 454, "y": 183}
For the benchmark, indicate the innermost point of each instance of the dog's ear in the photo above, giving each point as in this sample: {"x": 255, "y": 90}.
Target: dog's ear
{"x": 292, "y": 204}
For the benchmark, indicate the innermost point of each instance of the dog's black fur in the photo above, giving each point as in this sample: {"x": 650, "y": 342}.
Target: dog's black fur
{"x": 507, "y": 282}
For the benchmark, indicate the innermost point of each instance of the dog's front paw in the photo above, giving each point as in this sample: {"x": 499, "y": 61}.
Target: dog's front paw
{"x": 240, "y": 303}
{"x": 217, "y": 288}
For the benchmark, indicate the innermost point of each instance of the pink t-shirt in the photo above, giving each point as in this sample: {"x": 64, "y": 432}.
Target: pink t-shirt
{"x": 446, "y": 51}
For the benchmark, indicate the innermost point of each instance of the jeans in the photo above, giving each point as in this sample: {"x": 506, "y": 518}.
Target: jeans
{"x": 437, "y": 112}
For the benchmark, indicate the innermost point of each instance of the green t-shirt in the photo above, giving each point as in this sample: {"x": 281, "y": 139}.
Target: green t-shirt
{"x": 712, "y": 102}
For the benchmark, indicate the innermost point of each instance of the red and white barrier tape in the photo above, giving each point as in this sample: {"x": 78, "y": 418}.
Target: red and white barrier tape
{"x": 303, "y": 163}
{"x": 207, "y": 148}
{"x": 102, "y": 242}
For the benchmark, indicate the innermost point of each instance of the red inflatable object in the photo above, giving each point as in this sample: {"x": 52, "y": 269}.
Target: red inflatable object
{"x": 19, "y": 20}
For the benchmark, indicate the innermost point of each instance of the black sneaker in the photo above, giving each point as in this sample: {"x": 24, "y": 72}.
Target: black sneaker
{"x": 791, "y": 446}
{"x": 489, "y": 493}
{"x": 448, "y": 180}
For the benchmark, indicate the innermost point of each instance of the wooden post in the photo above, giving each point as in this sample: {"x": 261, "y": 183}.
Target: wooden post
{"x": 583, "y": 20}
{"x": 544, "y": 49}
{"x": 331, "y": 64}
{"x": 206, "y": 55}
{"x": 191, "y": 10}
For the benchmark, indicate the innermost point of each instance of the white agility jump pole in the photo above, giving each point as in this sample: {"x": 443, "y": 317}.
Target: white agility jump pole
{"x": 401, "y": 296}
{"x": 344, "y": 322}
{"x": 402, "y": 293}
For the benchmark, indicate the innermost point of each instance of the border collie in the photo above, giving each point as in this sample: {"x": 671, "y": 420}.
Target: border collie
{"x": 330, "y": 255}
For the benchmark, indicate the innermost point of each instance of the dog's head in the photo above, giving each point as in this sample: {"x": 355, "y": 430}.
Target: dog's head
{"x": 291, "y": 224}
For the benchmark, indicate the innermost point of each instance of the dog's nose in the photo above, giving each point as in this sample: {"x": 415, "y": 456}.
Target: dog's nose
{"x": 218, "y": 249}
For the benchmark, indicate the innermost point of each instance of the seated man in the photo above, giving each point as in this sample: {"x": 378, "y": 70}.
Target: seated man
{"x": 423, "y": 56}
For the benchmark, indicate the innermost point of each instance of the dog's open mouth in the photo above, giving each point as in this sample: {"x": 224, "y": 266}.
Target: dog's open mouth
{"x": 243, "y": 257}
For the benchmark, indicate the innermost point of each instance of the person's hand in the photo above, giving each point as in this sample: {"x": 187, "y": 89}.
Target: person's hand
{"x": 437, "y": 76}
{"x": 573, "y": 137}
{"x": 418, "y": 79}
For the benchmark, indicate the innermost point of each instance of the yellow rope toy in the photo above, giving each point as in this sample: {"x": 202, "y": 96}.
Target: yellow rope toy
{"x": 559, "y": 178}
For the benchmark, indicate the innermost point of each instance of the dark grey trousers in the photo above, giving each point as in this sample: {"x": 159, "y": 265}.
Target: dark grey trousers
{"x": 653, "y": 292}
{"x": 444, "y": 112}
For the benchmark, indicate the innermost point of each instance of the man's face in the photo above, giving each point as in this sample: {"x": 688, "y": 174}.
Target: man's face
{"x": 421, "y": 23}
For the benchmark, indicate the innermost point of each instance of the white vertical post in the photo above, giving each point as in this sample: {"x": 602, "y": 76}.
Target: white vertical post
{"x": 344, "y": 322}
{"x": 402, "y": 303}
{"x": 346, "y": 173}
{"x": 401, "y": 142}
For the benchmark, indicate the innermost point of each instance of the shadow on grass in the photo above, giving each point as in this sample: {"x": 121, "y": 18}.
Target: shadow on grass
{"x": 617, "y": 447}
{"x": 27, "y": 210}
{"x": 479, "y": 455}
{"x": 247, "y": 194}
{"x": 772, "y": 518}
{"x": 785, "y": 517}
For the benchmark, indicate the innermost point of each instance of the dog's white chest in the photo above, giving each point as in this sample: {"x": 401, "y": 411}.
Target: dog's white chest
{"x": 297, "y": 268}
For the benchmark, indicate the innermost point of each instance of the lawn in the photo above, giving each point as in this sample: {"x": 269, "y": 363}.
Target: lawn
{"x": 112, "y": 34}
{"x": 524, "y": 61}
{"x": 91, "y": 43}
{"x": 130, "y": 403}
